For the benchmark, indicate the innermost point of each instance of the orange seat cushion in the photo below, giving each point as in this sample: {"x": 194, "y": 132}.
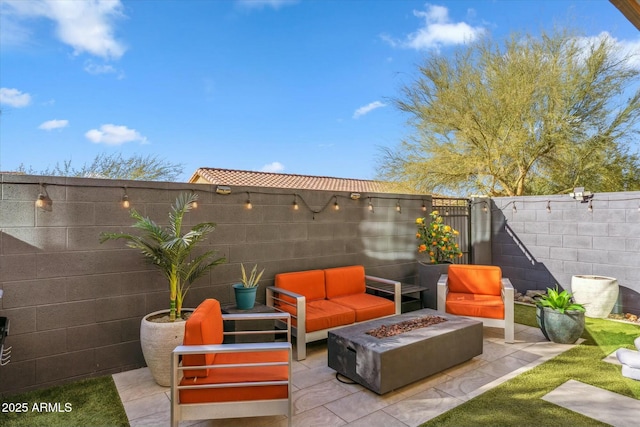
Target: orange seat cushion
{"x": 343, "y": 281}
{"x": 476, "y": 305}
{"x": 367, "y": 306}
{"x": 204, "y": 326}
{"x": 308, "y": 283}
{"x": 240, "y": 374}
{"x": 325, "y": 314}
{"x": 475, "y": 279}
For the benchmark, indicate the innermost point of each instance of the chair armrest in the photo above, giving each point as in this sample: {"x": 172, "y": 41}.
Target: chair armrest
{"x": 299, "y": 308}
{"x": 397, "y": 290}
{"x": 507, "y": 289}
{"x": 442, "y": 290}
{"x": 231, "y": 348}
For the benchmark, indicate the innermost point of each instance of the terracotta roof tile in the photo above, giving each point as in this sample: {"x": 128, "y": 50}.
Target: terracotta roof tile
{"x": 281, "y": 180}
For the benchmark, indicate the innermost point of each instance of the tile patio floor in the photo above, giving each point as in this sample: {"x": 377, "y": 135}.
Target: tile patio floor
{"x": 319, "y": 399}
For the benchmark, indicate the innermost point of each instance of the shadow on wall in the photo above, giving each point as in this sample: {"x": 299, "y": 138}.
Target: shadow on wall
{"x": 520, "y": 265}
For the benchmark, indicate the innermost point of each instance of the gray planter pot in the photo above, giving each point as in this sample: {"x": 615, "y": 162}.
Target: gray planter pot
{"x": 562, "y": 328}
{"x": 429, "y": 275}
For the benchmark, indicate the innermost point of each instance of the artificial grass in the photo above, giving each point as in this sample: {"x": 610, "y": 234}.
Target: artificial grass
{"x": 90, "y": 402}
{"x": 518, "y": 402}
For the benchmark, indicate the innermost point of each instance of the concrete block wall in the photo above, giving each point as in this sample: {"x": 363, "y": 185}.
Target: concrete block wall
{"x": 537, "y": 248}
{"x": 75, "y": 305}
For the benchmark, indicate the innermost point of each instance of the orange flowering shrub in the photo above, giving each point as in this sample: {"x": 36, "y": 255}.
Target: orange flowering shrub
{"x": 438, "y": 239}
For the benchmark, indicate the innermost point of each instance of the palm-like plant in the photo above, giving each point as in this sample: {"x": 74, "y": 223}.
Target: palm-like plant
{"x": 170, "y": 250}
{"x": 559, "y": 301}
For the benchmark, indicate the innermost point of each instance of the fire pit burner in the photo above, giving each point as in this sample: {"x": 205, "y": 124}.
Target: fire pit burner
{"x": 406, "y": 326}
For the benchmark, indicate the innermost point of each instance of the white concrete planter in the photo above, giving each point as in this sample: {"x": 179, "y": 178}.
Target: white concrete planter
{"x": 598, "y": 294}
{"x": 158, "y": 341}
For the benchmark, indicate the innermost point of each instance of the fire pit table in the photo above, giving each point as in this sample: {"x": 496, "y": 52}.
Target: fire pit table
{"x": 387, "y": 363}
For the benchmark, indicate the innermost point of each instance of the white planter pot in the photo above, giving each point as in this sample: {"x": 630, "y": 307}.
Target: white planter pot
{"x": 158, "y": 341}
{"x": 598, "y": 294}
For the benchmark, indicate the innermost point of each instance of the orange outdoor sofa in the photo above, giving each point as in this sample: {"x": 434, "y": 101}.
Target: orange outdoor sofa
{"x": 217, "y": 380}
{"x": 321, "y": 300}
{"x": 479, "y": 292}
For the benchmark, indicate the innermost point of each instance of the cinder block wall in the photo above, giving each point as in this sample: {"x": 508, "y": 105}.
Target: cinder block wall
{"x": 537, "y": 248}
{"x": 75, "y": 305}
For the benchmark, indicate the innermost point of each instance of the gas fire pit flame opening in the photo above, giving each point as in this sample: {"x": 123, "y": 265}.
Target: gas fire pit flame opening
{"x": 406, "y": 326}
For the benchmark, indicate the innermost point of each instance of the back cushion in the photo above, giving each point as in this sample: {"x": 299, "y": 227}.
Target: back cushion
{"x": 344, "y": 281}
{"x": 308, "y": 283}
{"x": 475, "y": 279}
{"x": 204, "y": 326}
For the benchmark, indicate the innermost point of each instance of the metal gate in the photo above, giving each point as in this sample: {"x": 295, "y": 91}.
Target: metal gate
{"x": 456, "y": 213}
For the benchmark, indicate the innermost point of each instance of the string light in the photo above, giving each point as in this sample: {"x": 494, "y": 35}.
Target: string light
{"x": 398, "y": 208}
{"x": 446, "y": 212}
{"x": 371, "y": 206}
{"x": 590, "y": 208}
{"x": 295, "y": 202}
{"x": 424, "y": 207}
{"x": 125, "y": 199}
{"x": 336, "y": 206}
{"x": 548, "y": 205}
{"x": 485, "y": 208}
{"x": 41, "y": 201}
{"x": 514, "y": 209}
{"x": 248, "y": 204}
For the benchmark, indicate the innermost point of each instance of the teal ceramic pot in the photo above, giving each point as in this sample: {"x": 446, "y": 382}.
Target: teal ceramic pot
{"x": 561, "y": 328}
{"x": 245, "y": 297}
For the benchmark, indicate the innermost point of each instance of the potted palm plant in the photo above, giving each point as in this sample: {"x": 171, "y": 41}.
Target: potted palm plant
{"x": 245, "y": 291}
{"x": 560, "y": 319}
{"x": 171, "y": 251}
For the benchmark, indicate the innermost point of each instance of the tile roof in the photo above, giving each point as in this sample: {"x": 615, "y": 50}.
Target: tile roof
{"x": 282, "y": 180}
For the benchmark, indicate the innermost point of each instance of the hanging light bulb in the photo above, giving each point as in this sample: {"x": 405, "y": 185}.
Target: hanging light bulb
{"x": 371, "y": 205}
{"x": 398, "y": 208}
{"x": 514, "y": 209}
{"x": 590, "y": 208}
{"x": 194, "y": 204}
{"x": 125, "y": 199}
{"x": 249, "y": 205}
{"x": 295, "y": 202}
{"x": 485, "y": 208}
{"x": 336, "y": 206}
{"x": 41, "y": 200}
{"x": 424, "y": 207}
{"x": 446, "y": 212}
{"x": 548, "y": 205}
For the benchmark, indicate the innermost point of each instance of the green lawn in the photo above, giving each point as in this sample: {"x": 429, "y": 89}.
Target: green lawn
{"x": 518, "y": 402}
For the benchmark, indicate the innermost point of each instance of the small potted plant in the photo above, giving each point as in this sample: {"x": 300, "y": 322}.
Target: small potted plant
{"x": 437, "y": 241}
{"x": 246, "y": 290}
{"x": 560, "y": 319}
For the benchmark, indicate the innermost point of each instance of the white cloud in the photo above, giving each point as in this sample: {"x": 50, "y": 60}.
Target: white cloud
{"x": 114, "y": 135}
{"x": 260, "y": 4}
{"x": 87, "y": 26}
{"x": 272, "y": 167}
{"x": 14, "y": 98}
{"x": 437, "y": 31}
{"x": 367, "y": 109}
{"x": 54, "y": 124}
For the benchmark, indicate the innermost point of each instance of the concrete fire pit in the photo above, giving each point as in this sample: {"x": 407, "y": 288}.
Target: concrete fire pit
{"x": 385, "y": 364}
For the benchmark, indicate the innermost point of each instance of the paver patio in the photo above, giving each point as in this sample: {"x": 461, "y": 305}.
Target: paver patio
{"x": 319, "y": 398}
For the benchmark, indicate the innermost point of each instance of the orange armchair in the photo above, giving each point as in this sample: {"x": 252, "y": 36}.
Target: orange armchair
{"x": 217, "y": 380}
{"x": 479, "y": 292}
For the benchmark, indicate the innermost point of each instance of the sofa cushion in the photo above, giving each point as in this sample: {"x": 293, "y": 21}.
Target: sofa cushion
{"x": 344, "y": 281}
{"x": 204, "y": 326}
{"x": 308, "y": 283}
{"x": 367, "y": 306}
{"x": 475, "y": 279}
{"x": 324, "y": 314}
{"x": 240, "y": 374}
{"x": 476, "y": 305}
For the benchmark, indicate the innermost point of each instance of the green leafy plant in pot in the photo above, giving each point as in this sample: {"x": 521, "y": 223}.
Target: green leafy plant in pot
{"x": 172, "y": 251}
{"x": 560, "y": 319}
{"x": 245, "y": 291}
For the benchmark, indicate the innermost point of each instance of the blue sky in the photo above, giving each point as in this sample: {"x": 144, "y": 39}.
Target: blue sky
{"x": 300, "y": 87}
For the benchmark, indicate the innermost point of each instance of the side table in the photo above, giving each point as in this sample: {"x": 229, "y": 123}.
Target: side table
{"x": 247, "y": 325}
{"x": 409, "y": 302}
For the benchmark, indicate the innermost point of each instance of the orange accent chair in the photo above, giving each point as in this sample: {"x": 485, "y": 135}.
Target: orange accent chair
{"x": 478, "y": 292}
{"x": 321, "y": 300}
{"x": 217, "y": 380}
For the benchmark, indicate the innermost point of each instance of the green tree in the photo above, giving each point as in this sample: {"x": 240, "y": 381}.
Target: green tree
{"x": 525, "y": 116}
{"x": 115, "y": 166}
